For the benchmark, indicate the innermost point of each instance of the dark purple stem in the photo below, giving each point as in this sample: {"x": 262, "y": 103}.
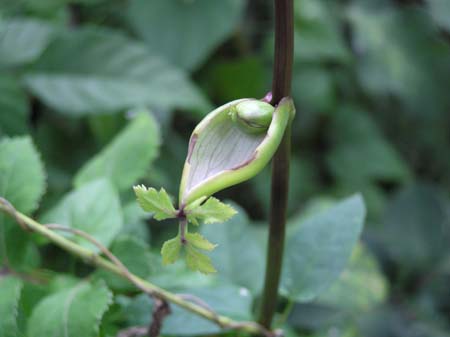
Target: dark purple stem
{"x": 281, "y": 87}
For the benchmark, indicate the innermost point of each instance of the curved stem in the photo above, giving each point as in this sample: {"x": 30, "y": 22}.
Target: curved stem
{"x": 96, "y": 260}
{"x": 281, "y": 87}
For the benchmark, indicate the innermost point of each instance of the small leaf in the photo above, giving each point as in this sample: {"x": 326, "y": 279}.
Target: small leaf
{"x": 10, "y": 292}
{"x": 198, "y": 241}
{"x": 72, "y": 312}
{"x": 210, "y": 212}
{"x": 170, "y": 250}
{"x": 157, "y": 202}
{"x": 22, "y": 182}
{"x": 93, "y": 208}
{"x": 127, "y": 157}
{"x": 198, "y": 261}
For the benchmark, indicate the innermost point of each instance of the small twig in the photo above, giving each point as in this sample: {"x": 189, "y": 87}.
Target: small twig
{"x": 96, "y": 243}
{"x": 135, "y": 331}
{"x": 197, "y": 300}
{"x": 162, "y": 308}
{"x": 14, "y": 212}
{"x": 160, "y": 311}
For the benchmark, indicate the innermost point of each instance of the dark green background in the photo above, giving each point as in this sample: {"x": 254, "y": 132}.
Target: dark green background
{"x": 371, "y": 83}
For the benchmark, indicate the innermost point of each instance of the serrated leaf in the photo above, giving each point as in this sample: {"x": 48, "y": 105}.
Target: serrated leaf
{"x": 211, "y": 211}
{"x": 22, "y": 40}
{"x": 170, "y": 250}
{"x": 318, "y": 248}
{"x": 72, "y": 312}
{"x": 198, "y": 241}
{"x": 22, "y": 182}
{"x": 10, "y": 292}
{"x": 93, "y": 208}
{"x": 199, "y": 261}
{"x": 13, "y": 107}
{"x": 127, "y": 157}
{"x": 158, "y": 203}
{"x": 22, "y": 177}
{"x": 111, "y": 72}
{"x": 149, "y": 20}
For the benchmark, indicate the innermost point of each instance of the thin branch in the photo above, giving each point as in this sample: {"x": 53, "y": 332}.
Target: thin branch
{"x": 134, "y": 331}
{"x": 160, "y": 311}
{"x": 147, "y": 287}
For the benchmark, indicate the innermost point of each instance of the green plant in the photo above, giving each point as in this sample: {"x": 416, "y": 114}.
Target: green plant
{"x": 93, "y": 111}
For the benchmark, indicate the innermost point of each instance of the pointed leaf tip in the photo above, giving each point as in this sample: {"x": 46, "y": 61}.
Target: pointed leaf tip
{"x": 158, "y": 203}
{"x": 212, "y": 211}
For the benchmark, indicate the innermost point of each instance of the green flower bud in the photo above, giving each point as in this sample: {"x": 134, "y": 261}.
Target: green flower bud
{"x": 252, "y": 115}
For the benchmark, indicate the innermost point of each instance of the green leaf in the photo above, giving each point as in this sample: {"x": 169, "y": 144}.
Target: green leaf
{"x": 198, "y": 241}
{"x": 134, "y": 222}
{"x": 10, "y": 292}
{"x": 170, "y": 250}
{"x": 418, "y": 215}
{"x": 360, "y": 287}
{"x": 93, "y": 208}
{"x": 314, "y": 88}
{"x": 71, "y": 312}
{"x": 110, "y": 72}
{"x": 22, "y": 177}
{"x": 356, "y": 138}
{"x": 214, "y": 21}
{"x": 211, "y": 211}
{"x": 22, "y": 182}
{"x": 396, "y": 48}
{"x": 22, "y": 40}
{"x": 13, "y": 107}
{"x": 240, "y": 255}
{"x": 317, "y": 34}
{"x": 135, "y": 255}
{"x": 199, "y": 261}
{"x": 127, "y": 157}
{"x": 156, "y": 202}
{"x": 237, "y": 77}
{"x": 317, "y": 249}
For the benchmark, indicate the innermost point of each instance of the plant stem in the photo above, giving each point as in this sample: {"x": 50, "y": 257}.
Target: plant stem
{"x": 96, "y": 260}
{"x": 281, "y": 87}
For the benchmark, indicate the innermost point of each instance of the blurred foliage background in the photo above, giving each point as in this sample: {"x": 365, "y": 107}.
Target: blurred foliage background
{"x": 371, "y": 84}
